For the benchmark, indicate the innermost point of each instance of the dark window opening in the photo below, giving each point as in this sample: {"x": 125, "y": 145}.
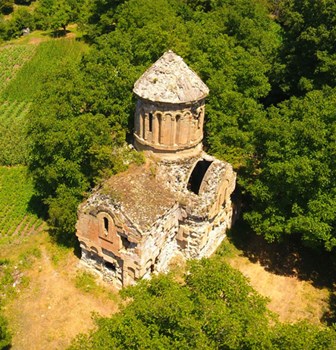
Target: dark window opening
{"x": 159, "y": 116}
{"x": 197, "y": 175}
{"x": 150, "y": 122}
{"x": 143, "y": 127}
{"x": 106, "y": 225}
{"x": 110, "y": 266}
{"x": 199, "y": 120}
{"x": 125, "y": 242}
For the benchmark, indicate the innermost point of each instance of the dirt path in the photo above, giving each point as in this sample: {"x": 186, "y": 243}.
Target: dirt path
{"x": 52, "y": 311}
{"x": 292, "y": 299}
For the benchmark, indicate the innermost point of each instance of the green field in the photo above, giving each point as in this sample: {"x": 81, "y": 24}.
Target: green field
{"x": 13, "y": 142}
{"x": 29, "y": 80}
{"x": 12, "y": 58}
{"x": 16, "y": 218}
{"x": 23, "y": 70}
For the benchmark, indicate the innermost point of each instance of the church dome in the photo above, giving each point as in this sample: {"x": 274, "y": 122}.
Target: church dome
{"x": 170, "y": 80}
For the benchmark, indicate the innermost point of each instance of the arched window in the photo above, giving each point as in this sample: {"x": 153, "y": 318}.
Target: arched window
{"x": 110, "y": 265}
{"x": 178, "y": 128}
{"x": 106, "y": 226}
{"x": 125, "y": 242}
{"x": 159, "y": 124}
{"x": 150, "y": 122}
{"x": 199, "y": 115}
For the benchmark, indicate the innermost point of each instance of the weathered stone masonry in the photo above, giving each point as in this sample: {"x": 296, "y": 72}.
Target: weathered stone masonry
{"x": 178, "y": 203}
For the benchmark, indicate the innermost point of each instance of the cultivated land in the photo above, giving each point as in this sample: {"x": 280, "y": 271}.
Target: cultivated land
{"x": 47, "y": 297}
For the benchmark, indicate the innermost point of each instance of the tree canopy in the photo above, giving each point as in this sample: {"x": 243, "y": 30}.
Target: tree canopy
{"x": 293, "y": 188}
{"x": 308, "y": 53}
{"x": 213, "y": 308}
{"x": 283, "y": 153}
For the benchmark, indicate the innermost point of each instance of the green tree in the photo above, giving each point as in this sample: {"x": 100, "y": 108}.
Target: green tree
{"x": 20, "y": 19}
{"x": 43, "y": 14}
{"x": 63, "y": 142}
{"x": 308, "y": 51}
{"x": 61, "y": 15}
{"x": 293, "y": 188}
{"x": 212, "y": 308}
{"x": 52, "y": 14}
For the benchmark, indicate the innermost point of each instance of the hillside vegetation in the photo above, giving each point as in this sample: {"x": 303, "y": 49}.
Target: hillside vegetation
{"x": 17, "y": 218}
{"x": 12, "y": 57}
{"x": 24, "y": 69}
{"x": 280, "y": 138}
{"x": 31, "y": 77}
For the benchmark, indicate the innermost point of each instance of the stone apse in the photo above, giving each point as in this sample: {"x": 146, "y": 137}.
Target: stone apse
{"x": 178, "y": 203}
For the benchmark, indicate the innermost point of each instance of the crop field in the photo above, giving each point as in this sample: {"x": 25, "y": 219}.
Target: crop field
{"x": 23, "y": 69}
{"x": 30, "y": 78}
{"x": 16, "y": 218}
{"x": 13, "y": 141}
{"x": 12, "y": 58}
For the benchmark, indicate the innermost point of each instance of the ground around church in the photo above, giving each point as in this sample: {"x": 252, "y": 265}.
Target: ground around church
{"x": 58, "y": 302}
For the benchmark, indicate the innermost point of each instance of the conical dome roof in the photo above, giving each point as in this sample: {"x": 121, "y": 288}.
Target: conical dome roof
{"x": 170, "y": 80}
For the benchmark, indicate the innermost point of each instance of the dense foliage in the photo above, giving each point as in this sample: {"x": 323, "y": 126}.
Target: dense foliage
{"x": 283, "y": 153}
{"x": 5, "y": 335}
{"x": 70, "y": 147}
{"x": 232, "y": 55}
{"x": 293, "y": 187}
{"x": 308, "y": 53}
{"x": 213, "y": 308}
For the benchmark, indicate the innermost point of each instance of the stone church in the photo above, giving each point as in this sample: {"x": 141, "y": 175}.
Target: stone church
{"x": 176, "y": 204}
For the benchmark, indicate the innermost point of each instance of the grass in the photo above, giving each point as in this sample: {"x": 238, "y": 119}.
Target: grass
{"x": 30, "y": 78}
{"x": 86, "y": 282}
{"x": 23, "y": 70}
{"x": 58, "y": 253}
{"x": 16, "y": 218}
{"x": 25, "y": 63}
{"x": 89, "y": 283}
{"x": 12, "y": 58}
{"x": 13, "y": 141}
{"x": 13, "y": 267}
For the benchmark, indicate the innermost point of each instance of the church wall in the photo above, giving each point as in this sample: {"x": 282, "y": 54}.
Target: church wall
{"x": 159, "y": 244}
{"x": 110, "y": 247}
{"x": 168, "y": 127}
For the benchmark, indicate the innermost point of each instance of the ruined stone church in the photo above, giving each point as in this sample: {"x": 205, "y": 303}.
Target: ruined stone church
{"x": 176, "y": 204}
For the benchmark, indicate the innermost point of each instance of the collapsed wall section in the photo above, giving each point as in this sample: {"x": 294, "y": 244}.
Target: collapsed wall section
{"x": 206, "y": 213}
